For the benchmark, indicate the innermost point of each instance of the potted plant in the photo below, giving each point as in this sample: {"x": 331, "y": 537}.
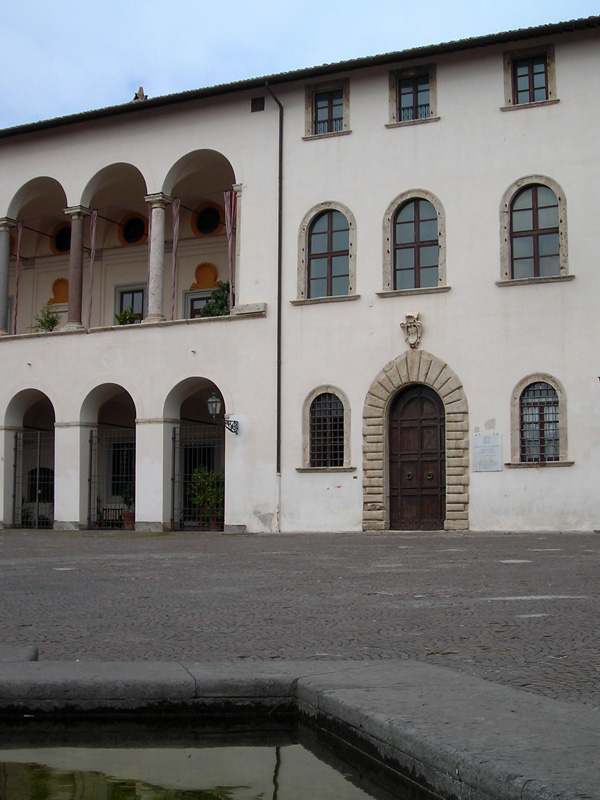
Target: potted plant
{"x": 126, "y": 317}
{"x": 206, "y": 492}
{"x": 128, "y": 513}
{"x": 47, "y": 320}
{"x": 218, "y": 305}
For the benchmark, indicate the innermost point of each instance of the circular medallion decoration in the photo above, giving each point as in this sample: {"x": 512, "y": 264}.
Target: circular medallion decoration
{"x": 60, "y": 242}
{"x": 208, "y": 220}
{"x": 133, "y": 230}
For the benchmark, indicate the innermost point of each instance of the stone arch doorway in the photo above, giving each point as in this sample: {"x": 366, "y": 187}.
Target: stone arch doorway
{"x": 413, "y": 369}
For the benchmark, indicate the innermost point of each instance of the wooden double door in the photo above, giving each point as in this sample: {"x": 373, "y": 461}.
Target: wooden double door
{"x": 417, "y": 460}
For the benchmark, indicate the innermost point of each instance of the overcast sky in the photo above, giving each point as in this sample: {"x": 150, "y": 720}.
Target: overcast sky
{"x": 64, "y": 56}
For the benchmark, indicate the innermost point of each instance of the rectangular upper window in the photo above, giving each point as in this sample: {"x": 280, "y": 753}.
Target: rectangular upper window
{"x": 413, "y": 98}
{"x": 328, "y": 112}
{"x": 412, "y": 95}
{"x": 529, "y": 77}
{"x": 327, "y": 109}
{"x": 131, "y": 299}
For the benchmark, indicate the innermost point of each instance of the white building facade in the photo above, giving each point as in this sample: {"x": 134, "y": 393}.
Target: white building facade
{"x": 408, "y": 242}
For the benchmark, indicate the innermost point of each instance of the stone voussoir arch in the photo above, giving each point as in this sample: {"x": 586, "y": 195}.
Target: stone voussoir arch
{"x": 415, "y": 367}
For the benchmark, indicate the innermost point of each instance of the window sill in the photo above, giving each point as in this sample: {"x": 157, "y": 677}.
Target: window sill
{"x": 411, "y": 122}
{"x": 537, "y": 464}
{"x": 525, "y": 281}
{"x": 539, "y": 103}
{"x": 318, "y": 300}
{"x": 325, "y": 469}
{"x": 312, "y": 136}
{"x": 405, "y": 292}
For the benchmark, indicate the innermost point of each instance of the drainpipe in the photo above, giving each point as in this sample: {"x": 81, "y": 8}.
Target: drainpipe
{"x": 279, "y": 275}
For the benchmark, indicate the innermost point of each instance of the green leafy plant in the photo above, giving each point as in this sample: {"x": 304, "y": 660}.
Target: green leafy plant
{"x": 126, "y": 317}
{"x": 206, "y": 491}
{"x": 128, "y": 496}
{"x": 47, "y": 320}
{"x": 218, "y": 305}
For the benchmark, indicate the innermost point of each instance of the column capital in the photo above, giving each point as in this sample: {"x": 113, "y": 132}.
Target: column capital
{"x": 77, "y": 212}
{"x": 158, "y": 199}
{"x": 6, "y": 223}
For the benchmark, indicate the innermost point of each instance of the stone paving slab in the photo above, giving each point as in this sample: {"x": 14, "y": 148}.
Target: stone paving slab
{"x": 466, "y": 738}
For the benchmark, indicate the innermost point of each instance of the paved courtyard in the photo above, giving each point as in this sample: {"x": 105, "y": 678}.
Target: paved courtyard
{"x": 518, "y": 609}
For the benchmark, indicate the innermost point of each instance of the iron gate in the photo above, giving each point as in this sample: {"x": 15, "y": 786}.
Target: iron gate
{"x": 198, "y": 498}
{"x": 33, "y": 485}
{"x": 112, "y": 478}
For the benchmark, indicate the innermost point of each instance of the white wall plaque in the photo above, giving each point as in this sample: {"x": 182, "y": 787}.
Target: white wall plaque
{"x": 487, "y": 452}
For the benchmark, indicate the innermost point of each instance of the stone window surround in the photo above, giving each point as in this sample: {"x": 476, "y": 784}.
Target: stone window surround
{"x": 515, "y": 423}
{"x": 306, "y": 467}
{"x": 505, "y": 244}
{"x": 414, "y": 367}
{"x": 411, "y": 72}
{"x": 327, "y": 86}
{"x": 329, "y": 205}
{"x": 388, "y": 239}
{"x": 514, "y": 55}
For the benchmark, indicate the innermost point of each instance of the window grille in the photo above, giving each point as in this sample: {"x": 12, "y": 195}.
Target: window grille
{"x": 539, "y": 432}
{"x": 326, "y": 431}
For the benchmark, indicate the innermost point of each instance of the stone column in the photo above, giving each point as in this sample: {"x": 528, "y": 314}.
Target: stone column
{"x": 78, "y": 215}
{"x": 158, "y": 203}
{"x": 5, "y": 227}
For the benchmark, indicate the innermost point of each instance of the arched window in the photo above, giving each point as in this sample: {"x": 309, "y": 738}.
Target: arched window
{"x": 533, "y": 225}
{"x": 329, "y": 255}
{"x": 534, "y": 233}
{"x": 539, "y": 423}
{"x": 414, "y": 244}
{"x": 416, "y": 247}
{"x": 326, "y": 431}
{"x": 539, "y": 439}
{"x": 326, "y": 260}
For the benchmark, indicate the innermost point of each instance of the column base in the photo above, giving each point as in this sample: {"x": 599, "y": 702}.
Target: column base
{"x": 153, "y": 318}
{"x": 72, "y": 326}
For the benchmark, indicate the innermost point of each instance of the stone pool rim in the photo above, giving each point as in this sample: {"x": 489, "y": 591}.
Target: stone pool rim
{"x": 460, "y": 736}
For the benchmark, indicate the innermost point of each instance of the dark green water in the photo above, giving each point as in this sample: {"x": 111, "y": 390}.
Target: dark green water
{"x": 183, "y": 759}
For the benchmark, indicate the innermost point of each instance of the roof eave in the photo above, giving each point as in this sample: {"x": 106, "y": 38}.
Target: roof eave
{"x": 306, "y": 73}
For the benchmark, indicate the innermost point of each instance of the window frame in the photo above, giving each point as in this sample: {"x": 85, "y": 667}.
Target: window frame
{"x": 414, "y": 72}
{"x": 506, "y": 204}
{"x": 388, "y": 243}
{"x": 306, "y": 430}
{"x": 329, "y": 254}
{"x": 190, "y": 296}
{"x": 132, "y": 287}
{"x": 310, "y": 121}
{"x": 304, "y": 253}
{"x": 515, "y": 413}
{"x": 510, "y": 58}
